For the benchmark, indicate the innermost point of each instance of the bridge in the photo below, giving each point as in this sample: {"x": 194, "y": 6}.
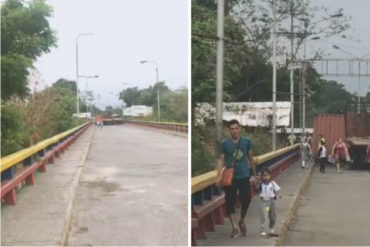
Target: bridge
{"x": 315, "y": 208}
{"x": 117, "y": 185}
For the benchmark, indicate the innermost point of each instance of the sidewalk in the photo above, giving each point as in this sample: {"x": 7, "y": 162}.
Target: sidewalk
{"x": 39, "y": 215}
{"x": 291, "y": 182}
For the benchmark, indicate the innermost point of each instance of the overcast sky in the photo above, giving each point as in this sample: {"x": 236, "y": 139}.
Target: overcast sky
{"x": 358, "y": 46}
{"x": 124, "y": 33}
{"x": 128, "y": 31}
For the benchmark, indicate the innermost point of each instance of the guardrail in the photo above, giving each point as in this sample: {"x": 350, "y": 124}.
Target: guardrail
{"x": 177, "y": 127}
{"x": 33, "y": 158}
{"x": 208, "y": 200}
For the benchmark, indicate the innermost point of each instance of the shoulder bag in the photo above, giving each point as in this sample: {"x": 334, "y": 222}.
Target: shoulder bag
{"x": 227, "y": 174}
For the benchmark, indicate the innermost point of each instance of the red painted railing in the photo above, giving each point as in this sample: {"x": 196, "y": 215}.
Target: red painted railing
{"x": 33, "y": 159}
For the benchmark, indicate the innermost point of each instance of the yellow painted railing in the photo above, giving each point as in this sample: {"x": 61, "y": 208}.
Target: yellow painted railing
{"x": 152, "y": 122}
{"x": 15, "y": 158}
{"x": 203, "y": 181}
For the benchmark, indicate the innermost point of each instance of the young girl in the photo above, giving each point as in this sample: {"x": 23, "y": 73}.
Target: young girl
{"x": 268, "y": 192}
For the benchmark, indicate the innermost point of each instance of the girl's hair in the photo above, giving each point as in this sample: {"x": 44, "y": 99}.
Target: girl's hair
{"x": 265, "y": 170}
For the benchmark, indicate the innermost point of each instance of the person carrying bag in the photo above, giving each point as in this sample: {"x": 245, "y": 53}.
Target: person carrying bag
{"x": 234, "y": 165}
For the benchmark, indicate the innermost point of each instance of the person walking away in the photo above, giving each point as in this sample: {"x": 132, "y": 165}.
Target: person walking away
{"x": 268, "y": 190}
{"x": 340, "y": 152}
{"x": 238, "y": 148}
{"x": 306, "y": 153}
{"x": 291, "y": 139}
{"x": 309, "y": 138}
{"x": 321, "y": 140}
{"x": 322, "y": 156}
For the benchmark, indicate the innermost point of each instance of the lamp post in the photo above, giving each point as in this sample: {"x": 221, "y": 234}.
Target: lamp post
{"x": 87, "y": 77}
{"x": 274, "y": 79}
{"x": 77, "y": 102}
{"x": 156, "y": 69}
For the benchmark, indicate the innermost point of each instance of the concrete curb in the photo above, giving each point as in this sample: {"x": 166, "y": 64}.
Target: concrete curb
{"x": 293, "y": 208}
{"x": 72, "y": 193}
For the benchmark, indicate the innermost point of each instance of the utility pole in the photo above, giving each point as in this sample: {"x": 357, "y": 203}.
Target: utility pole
{"x": 274, "y": 80}
{"x": 359, "y": 88}
{"x": 304, "y": 87}
{"x": 291, "y": 69}
{"x": 219, "y": 69}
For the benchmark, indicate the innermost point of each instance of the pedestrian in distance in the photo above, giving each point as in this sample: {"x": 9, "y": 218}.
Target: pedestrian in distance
{"x": 291, "y": 139}
{"x": 321, "y": 140}
{"x": 237, "y": 150}
{"x": 322, "y": 156}
{"x": 306, "y": 153}
{"x": 340, "y": 152}
{"x": 309, "y": 138}
{"x": 269, "y": 191}
{"x": 367, "y": 161}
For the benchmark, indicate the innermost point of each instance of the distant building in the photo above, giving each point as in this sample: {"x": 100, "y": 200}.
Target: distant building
{"x": 247, "y": 113}
{"x": 138, "y": 111}
{"x": 82, "y": 115}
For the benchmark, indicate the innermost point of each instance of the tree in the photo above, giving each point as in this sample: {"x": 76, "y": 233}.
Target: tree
{"x": 174, "y": 106}
{"x": 14, "y": 135}
{"x": 26, "y": 35}
{"x": 130, "y": 96}
{"x": 332, "y": 98}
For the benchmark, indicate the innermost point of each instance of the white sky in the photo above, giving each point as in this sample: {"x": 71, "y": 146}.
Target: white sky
{"x": 127, "y": 31}
{"x": 359, "y": 46}
{"x": 124, "y": 33}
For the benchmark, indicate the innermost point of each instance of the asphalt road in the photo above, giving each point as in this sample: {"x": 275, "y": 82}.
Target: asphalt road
{"x": 133, "y": 190}
{"x": 335, "y": 210}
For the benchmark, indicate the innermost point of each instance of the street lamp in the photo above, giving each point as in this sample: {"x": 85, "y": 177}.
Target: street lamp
{"x": 87, "y": 78}
{"x": 156, "y": 69}
{"x": 77, "y": 102}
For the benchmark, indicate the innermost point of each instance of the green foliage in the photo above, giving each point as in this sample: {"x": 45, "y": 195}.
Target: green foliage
{"x": 332, "y": 98}
{"x": 43, "y": 115}
{"x": 201, "y": 158}
{"x": 173, "y": 104}
{"x": 14, "y": 135}
{"x": 247, "y": 54}
{"x": 26, "y": 35}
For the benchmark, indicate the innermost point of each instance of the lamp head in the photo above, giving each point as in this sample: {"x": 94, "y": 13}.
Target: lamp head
{"x": 143, "y": 61}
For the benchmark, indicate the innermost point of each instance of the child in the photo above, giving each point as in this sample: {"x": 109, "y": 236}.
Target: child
{"x": 268, "y": 192}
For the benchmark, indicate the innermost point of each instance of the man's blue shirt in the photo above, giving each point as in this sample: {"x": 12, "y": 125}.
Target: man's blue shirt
{"x": 228, "y": 148}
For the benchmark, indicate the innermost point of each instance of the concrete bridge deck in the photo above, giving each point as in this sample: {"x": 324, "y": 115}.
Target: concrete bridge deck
{"x": 335, "y": 210}
{"x": 120, "y": 185}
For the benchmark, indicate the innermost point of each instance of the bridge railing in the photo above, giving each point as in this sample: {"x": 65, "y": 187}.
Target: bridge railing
{"x": 177, "y": 127}
{"x": 208, "y": 200}
{"x": 31, "y": 159}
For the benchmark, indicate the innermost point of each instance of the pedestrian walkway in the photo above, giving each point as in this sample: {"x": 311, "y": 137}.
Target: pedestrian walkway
{"x": 134, "y": 190}
{"x": 39, "y": 215}
{"x": 128, "y": 185}
{"x": 290, "y": 181}
{"x": 335, "y": 210}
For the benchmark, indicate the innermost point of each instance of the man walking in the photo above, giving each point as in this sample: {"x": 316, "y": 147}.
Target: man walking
{"x": 240, "y": 149}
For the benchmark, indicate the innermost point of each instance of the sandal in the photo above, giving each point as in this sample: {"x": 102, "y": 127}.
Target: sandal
{"x": 242, "y": 227}
{"x": 235, "y": 233}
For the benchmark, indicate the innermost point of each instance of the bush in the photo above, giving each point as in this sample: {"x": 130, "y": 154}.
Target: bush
{"x": 14, "y": 134}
